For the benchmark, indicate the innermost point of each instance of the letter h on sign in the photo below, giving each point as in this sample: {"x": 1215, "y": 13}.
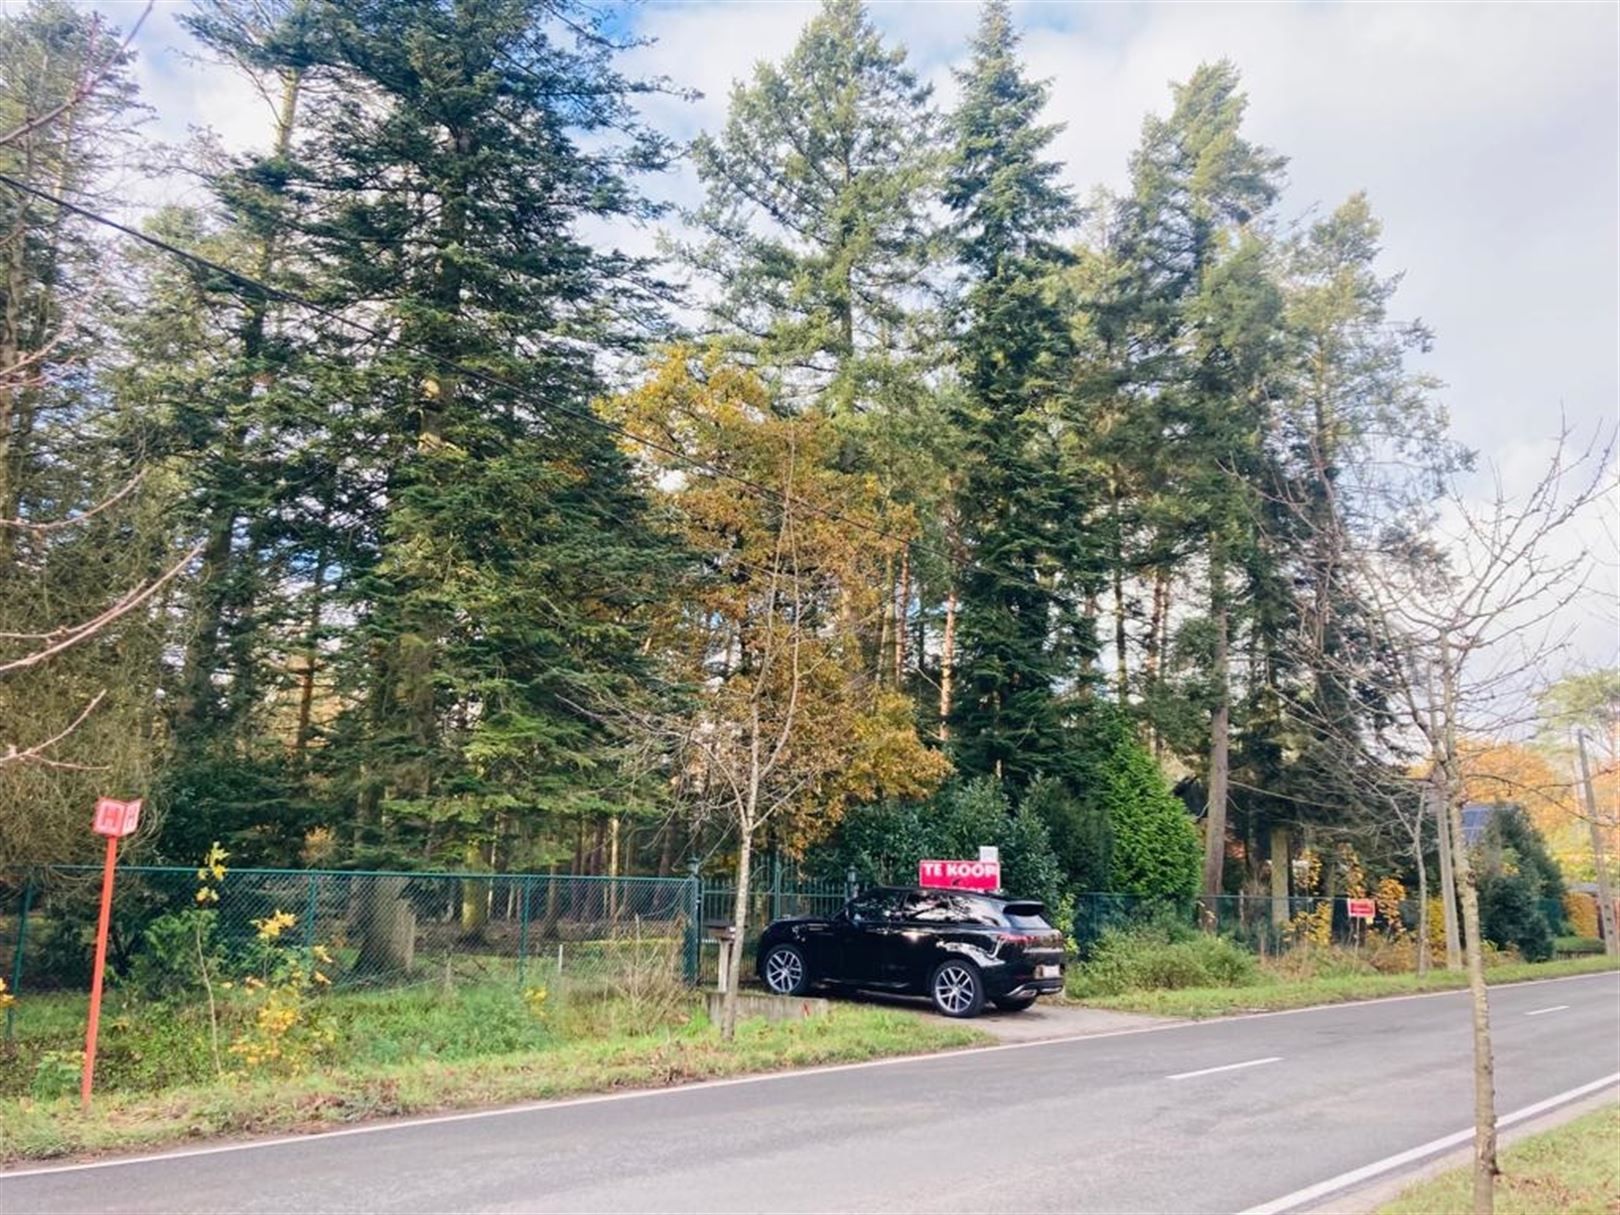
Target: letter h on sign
{"x": 116, "y": 819}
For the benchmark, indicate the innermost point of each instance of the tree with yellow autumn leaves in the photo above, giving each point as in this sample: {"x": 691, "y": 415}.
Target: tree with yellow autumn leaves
{"x": 777, "y": 721}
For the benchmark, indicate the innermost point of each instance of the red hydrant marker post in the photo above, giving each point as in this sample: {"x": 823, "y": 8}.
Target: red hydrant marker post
{"x": 114, "y": 819}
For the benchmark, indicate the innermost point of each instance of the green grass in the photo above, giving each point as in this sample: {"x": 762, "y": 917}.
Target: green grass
{"x": 149, "y": 1046}
{"x": 32, "y": 1128}
{"x": 1571, "y": 1170}
{"x": 1270, "y": 994}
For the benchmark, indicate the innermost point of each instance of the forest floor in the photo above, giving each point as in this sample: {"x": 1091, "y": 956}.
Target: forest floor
{"x": 1270, "y": 994}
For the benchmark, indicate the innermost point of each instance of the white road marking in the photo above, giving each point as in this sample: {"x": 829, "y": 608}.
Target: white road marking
{"x": 1225, "y": 1067}
{"x": 1367, "y": 1172}
{"x": 1555, "y": 1008}
{"x": 382, "y": 1126}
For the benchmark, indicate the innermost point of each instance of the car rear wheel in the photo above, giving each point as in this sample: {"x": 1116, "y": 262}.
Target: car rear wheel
{"x": 1014, "y": 1003}
{"x": 957, "y": 988}
{"x": 785, "y": 971}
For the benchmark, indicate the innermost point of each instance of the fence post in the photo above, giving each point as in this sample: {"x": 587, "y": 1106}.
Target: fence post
{"x": 850, "y": 888}
{"x": 694, "y": 923}
{"x": 776, "y": 886}
{"x": 17, "y": 953}
{"x": 523, "y": 929}
{"x": 311, "y": 909}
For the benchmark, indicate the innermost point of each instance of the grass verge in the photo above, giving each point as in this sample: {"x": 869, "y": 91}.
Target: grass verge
{"x": 32, "y": 1129}
{"x": 1572, "y": 1168}
{"x": 1271, "y": 994}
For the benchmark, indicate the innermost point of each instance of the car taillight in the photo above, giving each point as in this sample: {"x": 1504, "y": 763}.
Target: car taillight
{"x": 1013, "y": 938}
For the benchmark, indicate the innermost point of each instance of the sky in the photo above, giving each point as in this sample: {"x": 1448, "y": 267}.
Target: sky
{"x": 1484, "y": 135}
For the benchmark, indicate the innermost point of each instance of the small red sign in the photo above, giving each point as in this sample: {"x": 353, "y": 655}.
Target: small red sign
{"x": 960, "y": 875}
{"x": 1362, "y": 909}
{"x": 116, "y": 819}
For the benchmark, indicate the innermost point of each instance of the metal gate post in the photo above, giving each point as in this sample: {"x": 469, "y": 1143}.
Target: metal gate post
{"x": 523, "y": 927}
{"x": 694, "y": 923}
{"x": 17, "y": 954}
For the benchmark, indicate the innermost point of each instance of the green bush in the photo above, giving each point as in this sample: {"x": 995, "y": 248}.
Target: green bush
{"x": 1155, "y": 845}
{"x": 1306, "y": 961}
{"x": 1510, "y": 915}
{"x": 1569, "y": 947}
{"x": 1152, "y": 959}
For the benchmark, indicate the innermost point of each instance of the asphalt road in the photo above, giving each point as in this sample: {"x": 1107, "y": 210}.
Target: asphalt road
{"x": 1217, "y": 1116}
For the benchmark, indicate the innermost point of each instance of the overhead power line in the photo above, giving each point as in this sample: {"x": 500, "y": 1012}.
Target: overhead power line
{"x": 447, "y": 363}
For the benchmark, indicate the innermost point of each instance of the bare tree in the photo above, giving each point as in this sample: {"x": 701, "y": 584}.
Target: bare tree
{"x": 1470, "y": 599}
{"x": 80, "y": 558}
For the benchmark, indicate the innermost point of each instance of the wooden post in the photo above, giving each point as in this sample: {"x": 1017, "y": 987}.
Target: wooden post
{"x": 1611, "y": 942}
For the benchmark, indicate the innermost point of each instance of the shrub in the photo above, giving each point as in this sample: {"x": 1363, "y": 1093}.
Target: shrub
{"x": 1150, "y": 959}
{"x": 1155, "y": 845}
{"x": 1570, "y": 947}
{"x": 1313, "y": 961}
{"x": 1510, "y": 915}
{"x": 1581, "y": 910}
{"x": 1513, "y": 848}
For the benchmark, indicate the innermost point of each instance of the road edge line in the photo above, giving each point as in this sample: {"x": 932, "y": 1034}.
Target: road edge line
{"x": 1378, "y": 1168}
{"x": 528, "y": 1107}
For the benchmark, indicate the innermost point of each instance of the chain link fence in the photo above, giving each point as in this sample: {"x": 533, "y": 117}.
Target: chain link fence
{"x": 388, "y": 930}
{"x": 774, "y": 892}
{"x": 376, "y": 930}
{"x": 383, "y": 930}
{"x": 1268, "y": 925}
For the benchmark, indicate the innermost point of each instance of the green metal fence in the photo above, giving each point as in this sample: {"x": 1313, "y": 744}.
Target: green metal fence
{"x": 775, "y": 891}
{"x": 1265, "y": 924}
{"x": 384, "y": 929}
{"x": 389, "y": 929}
{"x": 379, "y": 929}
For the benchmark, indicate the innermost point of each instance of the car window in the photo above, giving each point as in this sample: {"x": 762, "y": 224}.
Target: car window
{"x": 878, "y": 904}
{"x": 1030, "y": 917}
{"x": 947, "y": 907}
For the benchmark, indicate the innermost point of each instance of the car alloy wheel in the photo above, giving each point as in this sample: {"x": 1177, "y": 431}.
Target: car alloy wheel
{"x": 956, "y": 990}
{"x": 784, "y": 971}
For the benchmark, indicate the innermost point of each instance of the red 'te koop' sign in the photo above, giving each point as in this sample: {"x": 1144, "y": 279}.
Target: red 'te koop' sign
{"x": 960, "y": 875}
{"x": 115, "y": 819}
{"x": 1361, "y": 909}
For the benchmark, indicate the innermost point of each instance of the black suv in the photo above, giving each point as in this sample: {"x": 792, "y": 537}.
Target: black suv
{"x": 957, "y": 947}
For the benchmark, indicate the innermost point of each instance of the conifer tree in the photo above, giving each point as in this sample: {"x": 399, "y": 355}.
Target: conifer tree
{"x": 1025, "y": 640}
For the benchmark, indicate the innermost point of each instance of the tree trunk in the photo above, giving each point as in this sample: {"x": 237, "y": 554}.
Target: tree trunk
{"x": 886, "y": 621}
{"x": 1485, "y": 1169}
{"x": 1279, "y": 876}
{"x": 1153, "y": 650}
{"x": 1219, "y": 740}
{"x": 1600, "y": 863}
{"x": 1122, "y": 681}
{"x": 666, "y": 849}
{"x": 739, "y": 928}
{"x": 747, "y": 824}
{"x": 902, "y": 602}
{"x": 947, "y": 666}
{"x": 385, "y": 922}
{"x": 475, "y": 896}
{"x": 1448, "y": 880}
{"x": 306, "y": 677}
{"x": 1423, "y": 899}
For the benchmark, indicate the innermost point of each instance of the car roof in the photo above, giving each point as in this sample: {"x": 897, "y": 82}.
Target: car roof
{"x": 1000, "y": 896}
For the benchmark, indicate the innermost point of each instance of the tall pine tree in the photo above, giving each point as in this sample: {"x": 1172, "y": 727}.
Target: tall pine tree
{"x": 499, "y": 551}
{"x": 1025, "y": 637}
